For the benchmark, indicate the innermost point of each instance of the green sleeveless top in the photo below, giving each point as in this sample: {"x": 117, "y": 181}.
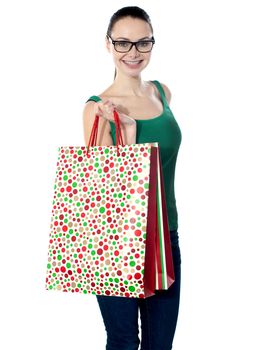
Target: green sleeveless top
{"x": 165, "y": 130}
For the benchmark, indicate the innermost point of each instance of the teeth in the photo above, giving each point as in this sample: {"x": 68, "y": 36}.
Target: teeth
{"x": 132, "y": 62}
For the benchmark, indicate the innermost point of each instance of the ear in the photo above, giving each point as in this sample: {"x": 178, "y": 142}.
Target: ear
{"x": 108, "y": 44}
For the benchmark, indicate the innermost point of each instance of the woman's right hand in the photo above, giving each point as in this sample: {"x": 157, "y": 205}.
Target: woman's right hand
{"x": 105, "y": 110}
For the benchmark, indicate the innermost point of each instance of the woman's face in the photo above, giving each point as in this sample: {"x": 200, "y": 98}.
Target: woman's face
{"x": 131, "y": 29}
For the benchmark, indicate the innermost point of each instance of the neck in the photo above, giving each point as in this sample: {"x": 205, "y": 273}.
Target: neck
{"x": 129, "y": 85}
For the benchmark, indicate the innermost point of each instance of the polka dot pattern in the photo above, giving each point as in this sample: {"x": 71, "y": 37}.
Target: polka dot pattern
{"x": 99, "y": 218}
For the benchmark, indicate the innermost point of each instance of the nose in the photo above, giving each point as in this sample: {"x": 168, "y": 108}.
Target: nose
{"x": 133, "y": 52}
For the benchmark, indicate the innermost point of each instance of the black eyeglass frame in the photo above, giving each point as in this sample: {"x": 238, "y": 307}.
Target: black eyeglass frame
{"x": 132, "y": 44}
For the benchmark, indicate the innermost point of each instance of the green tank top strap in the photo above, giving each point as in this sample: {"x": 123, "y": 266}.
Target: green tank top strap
{"x": 161, "y": 91}
{"x": 94, "y": 98}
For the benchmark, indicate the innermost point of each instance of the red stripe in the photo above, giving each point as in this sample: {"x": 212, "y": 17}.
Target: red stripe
{"x": 149, "y": 273}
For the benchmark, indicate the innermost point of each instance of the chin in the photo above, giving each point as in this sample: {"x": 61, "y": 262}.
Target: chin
{"x": 133, "y": 70}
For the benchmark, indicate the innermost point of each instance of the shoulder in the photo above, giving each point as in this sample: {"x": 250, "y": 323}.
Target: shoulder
{"x": 167, "y": 92}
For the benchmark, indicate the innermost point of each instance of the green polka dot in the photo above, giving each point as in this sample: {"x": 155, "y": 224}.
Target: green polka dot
{"x": 102, "y": 210}
{"x": 48, "y": 266}
{"x": 132, "y": 288}
{"x": 65, "y": 177}
{"x": 59, "y": 257}
{"x": 68, "y": 265}
{"x": 132, "y": 263}
{"x": 74, "y": 184}
{"x": 135, "y": 177}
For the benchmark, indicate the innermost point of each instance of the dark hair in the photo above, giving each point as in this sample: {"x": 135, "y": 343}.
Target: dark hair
{"x": 128, "y": 11}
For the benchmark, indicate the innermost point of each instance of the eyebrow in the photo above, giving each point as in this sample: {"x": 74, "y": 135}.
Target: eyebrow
{"x": 146, "y": 37}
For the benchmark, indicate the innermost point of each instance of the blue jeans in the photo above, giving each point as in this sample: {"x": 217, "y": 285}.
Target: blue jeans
{"x": 158, "y": 314}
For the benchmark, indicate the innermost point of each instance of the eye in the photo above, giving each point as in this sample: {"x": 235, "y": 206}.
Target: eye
{"x": 144, "y": 44}
{"x": 122, "y": 43}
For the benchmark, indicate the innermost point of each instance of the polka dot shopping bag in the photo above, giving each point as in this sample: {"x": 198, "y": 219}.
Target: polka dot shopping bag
{"x": 109, "y": 228}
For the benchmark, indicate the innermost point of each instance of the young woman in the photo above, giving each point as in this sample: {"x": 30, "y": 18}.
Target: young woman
{"x": 145, "y": 116}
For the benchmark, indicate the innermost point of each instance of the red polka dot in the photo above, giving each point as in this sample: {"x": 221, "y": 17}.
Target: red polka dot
{"x": 65, "y": 228}
{"x": 99, "y": 251}
{"x": 138, "y": 233}
{"x": 140, "y": 190}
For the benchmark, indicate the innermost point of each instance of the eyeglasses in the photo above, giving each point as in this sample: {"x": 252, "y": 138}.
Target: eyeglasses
{"x": 126, "y": 46}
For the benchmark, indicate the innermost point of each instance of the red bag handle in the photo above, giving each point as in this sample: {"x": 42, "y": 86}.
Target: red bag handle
{"x": 94, "y": 131}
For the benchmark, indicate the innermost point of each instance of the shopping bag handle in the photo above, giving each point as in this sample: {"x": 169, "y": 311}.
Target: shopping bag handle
{"x": 94, "y": 131}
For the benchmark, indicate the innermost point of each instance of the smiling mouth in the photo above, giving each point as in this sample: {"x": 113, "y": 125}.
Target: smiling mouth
{"x": 132, "y": 63}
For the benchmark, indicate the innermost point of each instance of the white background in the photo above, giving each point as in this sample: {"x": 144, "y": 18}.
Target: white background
{"x": 53, "y": 58}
